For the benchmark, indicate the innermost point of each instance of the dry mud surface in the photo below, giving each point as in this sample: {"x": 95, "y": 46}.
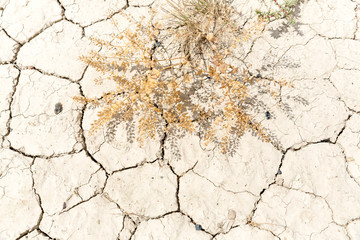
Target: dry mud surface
{"x": 56, "y": 182}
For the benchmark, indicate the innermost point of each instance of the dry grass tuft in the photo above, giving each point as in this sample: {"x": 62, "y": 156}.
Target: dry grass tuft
{"x": 200, "y": 26}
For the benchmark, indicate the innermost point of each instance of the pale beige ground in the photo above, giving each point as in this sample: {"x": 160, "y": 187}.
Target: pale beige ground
{"x": 57, "y": 182}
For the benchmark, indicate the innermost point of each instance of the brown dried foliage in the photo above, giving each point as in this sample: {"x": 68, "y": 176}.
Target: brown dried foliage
{"x": 178, "y": 95}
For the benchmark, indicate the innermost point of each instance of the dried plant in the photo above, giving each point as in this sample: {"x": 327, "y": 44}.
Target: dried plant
{"x": 198, "y": 24}
{"x": 179, "y": 95}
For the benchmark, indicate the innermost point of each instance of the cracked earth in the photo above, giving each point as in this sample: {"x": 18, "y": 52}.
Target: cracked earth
{"x": 57, "y": 182}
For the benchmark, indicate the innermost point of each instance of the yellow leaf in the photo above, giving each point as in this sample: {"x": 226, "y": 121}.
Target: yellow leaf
{"x": 211, "y": 71}
{"x": 234, "y": 70}
{"x": 187, "y": 78}
{"x": 156, "y": 72}
{"x": 217, "y": 76}
{"x": 223, "y": 67}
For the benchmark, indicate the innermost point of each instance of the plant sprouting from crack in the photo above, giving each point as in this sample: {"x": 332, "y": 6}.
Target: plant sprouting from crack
{"x": 197, "y": 24}
{"x": 178, "y": 95}
{"x": 285, "y": 10}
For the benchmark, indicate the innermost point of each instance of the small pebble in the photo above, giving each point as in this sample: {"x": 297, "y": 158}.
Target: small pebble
{"x": 279, "y": 181}
{"x": 279, "y": 172}
{"x": 64, "y": 205}
{"x": 198, "y": 227}
{"x": 258, "y": 75}
{"x": 58, "y": 108}
{"x": 231, "y": 214}
{"x": 267, "y": 114}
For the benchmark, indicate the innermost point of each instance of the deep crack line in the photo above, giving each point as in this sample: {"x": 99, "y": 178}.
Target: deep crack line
{"x": 177, "y": 187}
{"x": 250, "y": 218}
{"x": 15, "y": 50}
{"x": 10, "y": 104}
{"x": 38, "y": 199}
{"x": 81, "y": 133}
{"x": 44, "y": 156}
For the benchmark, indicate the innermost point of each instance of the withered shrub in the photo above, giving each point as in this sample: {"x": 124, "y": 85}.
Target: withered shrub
{"x": 196, "y": 91}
